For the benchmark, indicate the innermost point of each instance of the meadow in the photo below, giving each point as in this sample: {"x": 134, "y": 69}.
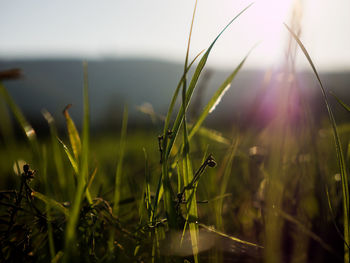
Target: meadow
{"x": 180, "y": 191}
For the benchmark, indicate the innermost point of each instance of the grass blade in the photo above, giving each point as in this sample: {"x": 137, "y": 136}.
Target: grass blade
{"x": 345, "y": 106}
{"x": 70, "y": 156}
{"x": 340, "y": 155}
{"x": 193, "y": 83}
{"x": 211, "y": 229}
{"x": 24, "y": 124}
{"x": 118, "y": 174}
{"x": 56, "y": 149}
{"x": 119, "y": 169}
{"x": 51, "y": 203}
{"x": 72, "y": 133}
{"x": 82, "y": 176}
{"x": 214, "y": 101}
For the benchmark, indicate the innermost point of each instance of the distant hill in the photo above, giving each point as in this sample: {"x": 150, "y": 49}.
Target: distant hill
{"x": 52, "y": 84}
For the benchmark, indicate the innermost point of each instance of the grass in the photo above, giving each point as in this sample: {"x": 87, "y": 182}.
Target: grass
{"x": 243, "y": 194}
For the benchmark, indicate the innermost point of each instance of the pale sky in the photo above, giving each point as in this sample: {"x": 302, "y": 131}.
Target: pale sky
{"x": 159, "y": 29}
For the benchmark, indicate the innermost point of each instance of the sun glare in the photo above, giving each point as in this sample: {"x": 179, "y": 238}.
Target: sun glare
{"x": 268, "y": 17}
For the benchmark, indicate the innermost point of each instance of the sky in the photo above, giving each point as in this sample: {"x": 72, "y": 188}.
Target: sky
{"x": 159, "y": 29}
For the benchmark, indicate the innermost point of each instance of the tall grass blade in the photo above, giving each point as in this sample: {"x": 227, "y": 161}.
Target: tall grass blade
{"x": 173, "y": 99}
{"x": 306, "y": 231}
{"x": 56, "y": 150}
{"x": 224, "y": 183}
{"x": 159, "y": 191}
{"x": 118, "y": 174}
{"x": 22, "y": 121}
{"x": 119, "y": 170}
{"x": 72, "y": 133}
{"x": 187, "y": 166}
{"x": 216, "y": 98}
{"x": 340, "y": 155}
{"x": 48, "y": 205}
{"x": 193, "y": 83}
{"x": 70, "y": 156}
{"x": 345, "y": 106}
{"x": 213, "y": 230}
{"x": 148, "y": 199}
{"x": 51, "y": 202}
{"x": 82, "y": 176}
{"x": 86, "y": 133}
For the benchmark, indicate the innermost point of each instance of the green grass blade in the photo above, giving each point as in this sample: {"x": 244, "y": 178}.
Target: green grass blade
{"x": 52, "y": 203}
{"x": 306, "y": 231}
{"x": 160, "y": 190}
{"x": 118, "y": 174}
{"x": 82, "y": 176}
{"x": 48, "y": 205}
{"x": 73, "y": 134}
{"x": 86, "y": 134}
{"x": 192, "y": 211}
{"x": 119, "y": 169}
{"x": 213, "y": 135}
{"x": 187, "y": 167}
{"x": 193, "y": 83}
{"x": 235, "y": 239}
{"x": 56, "y": 149}
{"x": 70, "y": 156}
{"x": 24, "y": 124}
{"x": 148, "y": 199}
{"x": 224, "y": 183}
{"x": 340, "y": 155}
{"x": 174, "y": 98}
{"x": 215, "y": 100}
{"x": 345, "y": 106}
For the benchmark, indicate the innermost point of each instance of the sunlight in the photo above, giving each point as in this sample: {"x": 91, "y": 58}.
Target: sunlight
{"x": 269, "y": 16}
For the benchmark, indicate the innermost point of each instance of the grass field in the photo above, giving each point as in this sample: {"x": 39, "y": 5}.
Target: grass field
{"x": 180, "y": 192}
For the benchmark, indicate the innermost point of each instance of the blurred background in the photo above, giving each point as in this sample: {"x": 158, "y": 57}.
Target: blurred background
{"x": 136, "y": 50}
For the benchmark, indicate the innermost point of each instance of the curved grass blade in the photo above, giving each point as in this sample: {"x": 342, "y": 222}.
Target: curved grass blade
{"x": 48, "y": 205}
{"x": 333, "y": 217}
{"x": 56, "y": 149}
{"x": 340, "y": 155}
{"x": 70, "y": 156}
{"x": 51, "y": 203}
{"x": 345, "y": 106}
{"x": 24, "y": 124}
{"x": 176, "y": 93}
{"x": 306, "y": 231}
{"x": 119, "y": 170}
{"x": 216, "y": 98}
{"x": 118, "y": 175}
{"x": 224, "y": 182}
{"x": 187, "y": 166}
{"x": 235, "y": 239}
{"x": 193, "y": 83}
{"x": 72, "y": 133}
{"x": 92, "y": 177}
{"x": 82, "y": 175}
